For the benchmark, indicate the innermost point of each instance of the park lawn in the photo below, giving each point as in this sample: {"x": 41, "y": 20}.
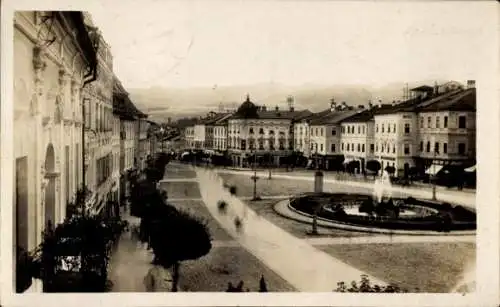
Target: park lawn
{"x": 417, "y": 267}
{"x": 198, "y": 209}
{"x": 265, "y": 208}
{"x": 222, "y": 265}
{"x": 181, "y": 189}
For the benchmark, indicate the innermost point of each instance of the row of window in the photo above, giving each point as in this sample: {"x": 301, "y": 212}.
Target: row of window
{"x": 252, "y": 145}
{"x": 383, "y": 129}
{"x": 461, "y": 148}
{"x": 103, "y": 168}
{"x": 352, "y": 129}
{"x": 462, "y": 122}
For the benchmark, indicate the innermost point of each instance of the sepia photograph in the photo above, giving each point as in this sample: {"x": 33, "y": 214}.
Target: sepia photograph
{"x": 250, "y": 146}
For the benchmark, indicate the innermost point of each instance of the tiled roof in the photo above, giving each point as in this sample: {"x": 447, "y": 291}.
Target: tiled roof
{"x": 334, "y": 117}
{"x": 425, "y": 88}
{"x": 461, "y": 100}
{"x": 361, "y": 117}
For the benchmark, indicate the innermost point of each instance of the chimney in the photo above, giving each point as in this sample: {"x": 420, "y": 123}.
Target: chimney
{"x": 471, "y": 84}
{"x": 277, "y": 108}
{"x": 333, "y": 105}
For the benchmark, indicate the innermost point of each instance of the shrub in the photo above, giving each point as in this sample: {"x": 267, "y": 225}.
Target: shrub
{"x": 365, "y": 286}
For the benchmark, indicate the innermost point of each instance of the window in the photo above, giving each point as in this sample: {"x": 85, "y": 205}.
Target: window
{"x": 407, "y": 128}
{"x": 243, "y": 144}
{"x": 261, "y": 131}
{"x": 421, "y": 122}
{"x": 359, "y": 147}
{"x": 421, "y": 146}
{"x": 376, "y": 149}
{"x": 348, "y": 146}
{"x": 316, "y": 132}
{"x": 372, "y": 148}
{"x": 436, "y": 147}
{"x": 364, "y": 129}
{"x": 445, "y": 123}
{"x": 321, "y": 131}
{"x": 388, "y": 128}
{"x": 376, "y": 128}
{"x": 437, "y": 121}
{"x": 393, "y": 149}
{"x": 359, "y": 129}
{"x": 428, "y": 147}
{"x": 462, "y": 122}
{"x": 332, "y": 148}
{"x": 382, "y": 128}
{"x": 428, "y": 122}
{"x": 461, "y": 148}
{"x": 362, "y": 147}
{"x": 342, "y": 146}
{"x": 407, "y": 149}
{"x": 281, "y": 144}
{"x": 271, "y": 132}
{"x": 334, "y": 132}
{"x": 321, "y": 147}
{"x": 394, "y": 128}
{"x": 251, "y": 131}
{"x": 300, "y": 130}
{"x": 251, "y": 144}
{"x": 445, "y": 148}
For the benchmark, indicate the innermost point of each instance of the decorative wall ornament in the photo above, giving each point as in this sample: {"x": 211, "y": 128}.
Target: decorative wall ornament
{"x": 58, "y": 109}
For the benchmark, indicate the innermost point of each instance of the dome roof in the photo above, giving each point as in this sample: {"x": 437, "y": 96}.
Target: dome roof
{"x": 247, "y": 109}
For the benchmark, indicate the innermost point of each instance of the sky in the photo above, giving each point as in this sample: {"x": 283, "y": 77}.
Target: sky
{"x": 207, "y": 43}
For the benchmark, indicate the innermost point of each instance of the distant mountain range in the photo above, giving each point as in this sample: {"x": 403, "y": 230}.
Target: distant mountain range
{"x": 163, "y": 102}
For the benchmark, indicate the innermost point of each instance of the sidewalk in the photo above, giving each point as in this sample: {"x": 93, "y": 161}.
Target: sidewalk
{"x": 130, "y": 262}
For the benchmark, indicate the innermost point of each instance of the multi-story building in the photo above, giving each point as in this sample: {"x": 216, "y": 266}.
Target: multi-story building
{"x": 325, "y": 136}
{"x": 220, "y": 134}
{"x": 357, "y": 139}
{"x": 410, "y": 134}
{"x": 256, "y": 131}
{"x": 153, "y": 137}
{"x": 99, "y": 132}
{"x": 143, "y": 147}
{"x": 189, "y": 137}
{"x": 50, "y": 72}
{"x": 447, "y": 130}
{"x": 127, "y": 113}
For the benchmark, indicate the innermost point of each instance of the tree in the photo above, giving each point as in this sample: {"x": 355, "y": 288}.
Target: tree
{"x": 374, "y": 166}
{"x": 262, "y": 284}
{"x": 177, "y": 236}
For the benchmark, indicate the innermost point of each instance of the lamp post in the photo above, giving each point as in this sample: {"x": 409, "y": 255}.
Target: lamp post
{"x": 318, "y": 188}
{"x": 434, "y": 175}
{"x": 254, "y": 177}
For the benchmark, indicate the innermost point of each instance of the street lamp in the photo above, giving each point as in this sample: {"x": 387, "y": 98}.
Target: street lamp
{"x": 434, "y": 175}
{"x": 318, "y": 188}
{"x": 254, "y": 177}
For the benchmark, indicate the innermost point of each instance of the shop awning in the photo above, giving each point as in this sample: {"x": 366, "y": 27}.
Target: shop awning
{"x": 470, "y": 169}
{"x": 347, "y": 160}
{"x": 434, "y": 169}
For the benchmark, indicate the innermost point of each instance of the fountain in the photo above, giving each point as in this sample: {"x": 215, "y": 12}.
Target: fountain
{"x": 382, "y": 185}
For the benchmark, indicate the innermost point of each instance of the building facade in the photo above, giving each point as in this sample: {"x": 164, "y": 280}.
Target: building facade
{"x": 357, "y": 139}
{"x": 50, "y": 73}
{"x": 255, "y": 131}
{"x": 98, "y": 98}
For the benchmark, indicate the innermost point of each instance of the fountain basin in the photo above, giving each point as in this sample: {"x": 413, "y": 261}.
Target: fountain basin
{"x": 412, "y": 214}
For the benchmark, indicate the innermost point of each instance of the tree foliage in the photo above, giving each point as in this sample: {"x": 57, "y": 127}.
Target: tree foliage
{"x": 373, "y": 165}
{"x": 365, "y": 286}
